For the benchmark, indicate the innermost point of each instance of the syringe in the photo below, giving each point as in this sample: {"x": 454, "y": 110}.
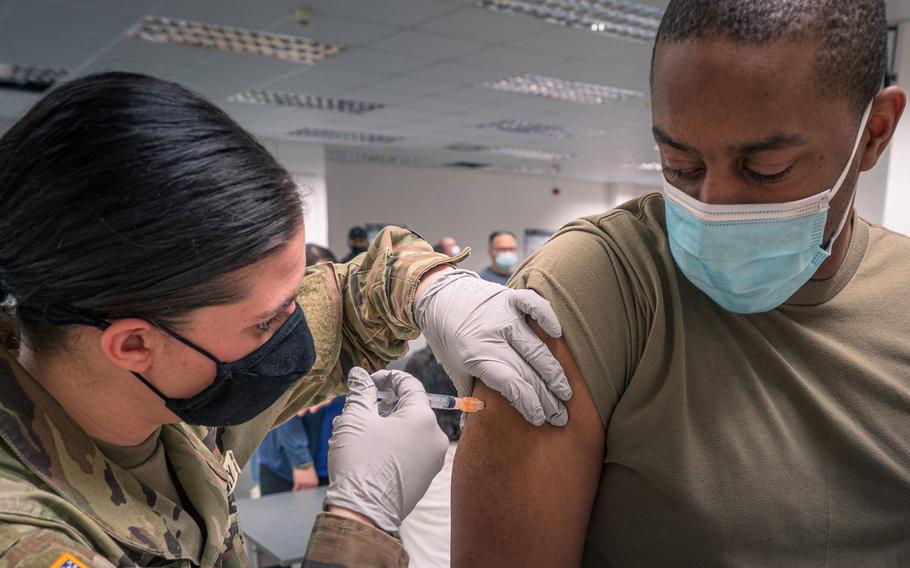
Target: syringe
{"x": 443, "y": 402}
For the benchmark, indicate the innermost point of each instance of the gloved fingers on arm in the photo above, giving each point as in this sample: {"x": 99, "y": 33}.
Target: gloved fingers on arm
{"x": 532, "y": 304}
{"x": 361, "y": 391}
{"x": 509, "y": 382}
{"x": 535, "y": 352}
{"x": 553, "y": 408}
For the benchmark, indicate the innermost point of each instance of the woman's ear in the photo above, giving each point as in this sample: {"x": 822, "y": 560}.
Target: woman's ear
{"x": 886, "y": 113}
{"x": 129, "y": 344}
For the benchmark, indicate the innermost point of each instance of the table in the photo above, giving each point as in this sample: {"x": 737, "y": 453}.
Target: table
{"x": 279, "y": 525}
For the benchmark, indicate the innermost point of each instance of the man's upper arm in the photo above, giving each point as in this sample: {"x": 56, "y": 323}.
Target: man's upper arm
{"x": 522, "y": 495}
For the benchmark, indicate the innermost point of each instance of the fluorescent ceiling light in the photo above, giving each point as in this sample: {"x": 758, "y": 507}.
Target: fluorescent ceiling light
{"x": 278, "y": 98}
{"x": 354, "y": 156}
{"x": 233, "y": 40}
{"x": 344, "y": 136}
{"x": 28, "y": 78}
{"x": 523, "y": 153}
{"x": 650, "y": 167}
{"x": 528, "y": 170}
{"x": 620, "y": 18}
{"x": 536, "y": 128}
{"x": 561, "y": 90}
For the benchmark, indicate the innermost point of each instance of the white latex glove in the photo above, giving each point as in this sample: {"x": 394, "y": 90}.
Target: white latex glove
{"x": 379, "y": 466}
{"x": 477, "y": 329}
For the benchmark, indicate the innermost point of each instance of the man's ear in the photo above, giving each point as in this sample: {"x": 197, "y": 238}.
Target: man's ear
{"x": 129, "y": 344}
{"x": 887, "y": 109}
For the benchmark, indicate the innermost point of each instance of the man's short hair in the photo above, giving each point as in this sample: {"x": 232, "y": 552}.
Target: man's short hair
{"x": 357, "y": 232}
{"x": 852, "y": 35}
{"x": 495, "y": 234}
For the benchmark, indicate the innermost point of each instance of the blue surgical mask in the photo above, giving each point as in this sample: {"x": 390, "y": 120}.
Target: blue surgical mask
{"x": 505, "y": 261}
{"x": 751, "y": 258}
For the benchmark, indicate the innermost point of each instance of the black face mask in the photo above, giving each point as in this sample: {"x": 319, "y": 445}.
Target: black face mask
{"x": 242, "y": 389}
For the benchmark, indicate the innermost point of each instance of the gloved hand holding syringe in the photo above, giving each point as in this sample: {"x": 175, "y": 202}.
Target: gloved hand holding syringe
{"x": 439, "y": 401}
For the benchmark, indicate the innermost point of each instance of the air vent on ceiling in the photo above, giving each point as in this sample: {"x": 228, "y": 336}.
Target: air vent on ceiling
{"x": 298, "y": 100}
{"x": 523, "y": 153}
{"x": 538, "y": 129}
{"x": 620, "y": 18}
{"x": 344, "y": 136}
{"x": 468, "y": 165}
{"x": 337, "y": 155}
{"x": 158, "y": 29}
{"x": 28, "y": 78}
{"x": 562, "y": 90}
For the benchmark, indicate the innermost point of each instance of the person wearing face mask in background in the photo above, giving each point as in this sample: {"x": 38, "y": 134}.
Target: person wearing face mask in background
{"x": 357, "y": 242}
{"x": 738, "y": 343}
{"x": 156, "y": 336}
{"x": 448, "y": 246}
{"x": 503, "y": 256}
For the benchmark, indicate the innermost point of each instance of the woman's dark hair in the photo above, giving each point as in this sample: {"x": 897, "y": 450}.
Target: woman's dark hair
{"x": 122, "y": 195}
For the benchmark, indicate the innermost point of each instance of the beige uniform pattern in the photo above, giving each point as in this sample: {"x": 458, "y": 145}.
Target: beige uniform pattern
{"x": 59, "y": 494}
{"x": 775, "y": 439}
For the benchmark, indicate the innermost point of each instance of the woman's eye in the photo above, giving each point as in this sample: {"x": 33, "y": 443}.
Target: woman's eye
{"x": 266, "y": 325}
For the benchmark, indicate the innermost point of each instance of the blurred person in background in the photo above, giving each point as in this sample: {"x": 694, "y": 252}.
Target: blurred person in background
{"x": 357, "y": 242}
{"x": 426, "y": 532}
{"x": 316, "y": 254}
{"x": 447, "y": 245}
{"x": 503, "y": 257}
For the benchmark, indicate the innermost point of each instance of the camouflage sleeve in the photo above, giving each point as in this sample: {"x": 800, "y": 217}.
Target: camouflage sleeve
{"x": 377, "y": 291}
{"x": 340, "y": 542}
{"x": 29, "y": 546}
{"x": 360, "y": 314}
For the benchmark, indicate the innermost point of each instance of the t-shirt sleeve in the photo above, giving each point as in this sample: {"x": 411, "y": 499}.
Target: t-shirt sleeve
{"x": 598, "y": 305}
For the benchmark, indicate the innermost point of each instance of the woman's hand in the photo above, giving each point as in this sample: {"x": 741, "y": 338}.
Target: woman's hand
{"x": 380, "y": 467}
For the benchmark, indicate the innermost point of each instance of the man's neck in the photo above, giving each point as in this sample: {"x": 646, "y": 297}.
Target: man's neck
{"x": 107, "y": 406}
{"x": 829, "y": 268}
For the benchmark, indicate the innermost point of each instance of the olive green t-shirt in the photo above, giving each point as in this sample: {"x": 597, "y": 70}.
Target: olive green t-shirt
{"x": 147, "y": 462}
{"x": 775, "y": 439}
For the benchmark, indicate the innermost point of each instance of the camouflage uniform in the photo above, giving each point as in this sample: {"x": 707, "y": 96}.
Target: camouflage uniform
{"x": 60, "y": 495}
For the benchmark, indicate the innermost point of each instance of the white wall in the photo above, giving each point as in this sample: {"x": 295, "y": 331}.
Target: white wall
{"x": 307, "y": 163}
{"x": 465, "y": 204}
{"x": 897, "y": 195}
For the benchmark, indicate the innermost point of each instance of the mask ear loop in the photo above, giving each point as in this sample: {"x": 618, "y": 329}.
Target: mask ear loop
{"x": 843, "y": 177}
{"x": 59, "y": 314}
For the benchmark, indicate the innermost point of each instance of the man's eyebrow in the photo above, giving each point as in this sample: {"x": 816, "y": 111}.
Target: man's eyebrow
{"x": 776, "y": 142}
{"x": 662, "y": 137}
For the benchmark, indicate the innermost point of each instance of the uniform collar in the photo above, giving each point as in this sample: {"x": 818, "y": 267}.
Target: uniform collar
{"x": 56, "y": 449}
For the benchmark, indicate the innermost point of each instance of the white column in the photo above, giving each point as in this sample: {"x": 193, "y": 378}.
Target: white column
{"x": 306, "y": 162}
{"x": 897, "y": 190}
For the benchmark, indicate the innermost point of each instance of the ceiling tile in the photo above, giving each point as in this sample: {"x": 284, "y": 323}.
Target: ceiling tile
{"x": 571, "y": 42}
{"x": 481, "y": 25}
{"x": 68, "y": 19}
{"x": 331, "y": 28}
{"x": 371, "y": 59}
{"x": 513, "y": 61}
{"x": 158, "y": 59}
{"x": 414, "y": 86}
{"x": 14, "y": 104}
{"x": 427, "y": 45}
{"x": 403, "y": 13}
{"x": 247, "y": 15}
{"x": 458, "y": 73}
